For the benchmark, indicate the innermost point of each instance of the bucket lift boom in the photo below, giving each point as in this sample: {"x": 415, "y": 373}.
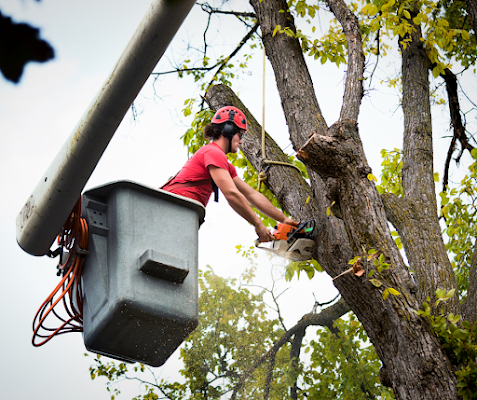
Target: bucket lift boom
{"x": 58, "y": 190}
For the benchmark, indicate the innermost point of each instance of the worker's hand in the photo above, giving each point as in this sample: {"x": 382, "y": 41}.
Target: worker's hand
{"x": 290, "y": 221}
{"x": 264, "y": 235}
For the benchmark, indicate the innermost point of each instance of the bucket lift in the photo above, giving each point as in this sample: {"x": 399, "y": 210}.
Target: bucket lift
{"x": 140, "y": 291}
{"x": 140, "y": 280}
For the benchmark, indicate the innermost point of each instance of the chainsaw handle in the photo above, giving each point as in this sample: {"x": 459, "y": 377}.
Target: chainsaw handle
{"x": 301, "y": 226}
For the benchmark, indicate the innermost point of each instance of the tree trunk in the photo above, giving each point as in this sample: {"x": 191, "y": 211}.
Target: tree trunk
{"x": 421, "y": 234}
{"x": 411, "y": 356}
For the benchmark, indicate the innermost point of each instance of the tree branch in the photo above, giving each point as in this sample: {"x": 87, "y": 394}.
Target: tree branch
{"x": 210, "y": 10}
{"x": 219, "y": 65}
{"x": 291, "y": 73}
{"x": 456, "y": 122}
{"x": 324, "y": 318}
{"x": 268, "y": 379}
{"x": 237, "y": 49}
{"x": 471, "y": 6}
{"x": 354, "y": 77}
{"x": 294, "y": 357}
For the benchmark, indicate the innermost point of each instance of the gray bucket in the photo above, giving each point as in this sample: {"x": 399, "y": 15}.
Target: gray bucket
{"x": 140, "y": 285}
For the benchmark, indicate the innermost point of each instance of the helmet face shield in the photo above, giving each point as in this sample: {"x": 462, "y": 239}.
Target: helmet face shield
{"x": 231, "y": 114}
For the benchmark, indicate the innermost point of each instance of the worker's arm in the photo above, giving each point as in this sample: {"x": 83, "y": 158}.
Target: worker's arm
{"x": 238, "y": 202}
{"x": 261, "y": 203}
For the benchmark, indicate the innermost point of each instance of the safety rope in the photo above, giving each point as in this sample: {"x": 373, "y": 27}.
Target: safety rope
{"x": 73, "y": 238}
{"x": 262, "y": 176}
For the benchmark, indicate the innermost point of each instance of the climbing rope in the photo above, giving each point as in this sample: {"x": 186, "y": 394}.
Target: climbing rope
{"x": 262, "y": 176}
{"x": 74, "y": 239}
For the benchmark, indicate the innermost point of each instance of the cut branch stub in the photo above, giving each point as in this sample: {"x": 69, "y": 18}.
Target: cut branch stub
{"x": 336, "y": 152}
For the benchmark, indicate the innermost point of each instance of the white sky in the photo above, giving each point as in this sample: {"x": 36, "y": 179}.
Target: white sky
{"x": 37, "y": 116}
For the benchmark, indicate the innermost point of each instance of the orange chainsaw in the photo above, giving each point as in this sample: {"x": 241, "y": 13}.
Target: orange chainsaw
{"x": 292, "y": 242}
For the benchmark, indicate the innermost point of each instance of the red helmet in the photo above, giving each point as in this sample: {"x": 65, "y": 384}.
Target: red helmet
{"x": 231, "y": 114}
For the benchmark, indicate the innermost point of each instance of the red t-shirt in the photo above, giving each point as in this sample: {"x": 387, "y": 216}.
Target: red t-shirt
{"x": 195, "y": 169}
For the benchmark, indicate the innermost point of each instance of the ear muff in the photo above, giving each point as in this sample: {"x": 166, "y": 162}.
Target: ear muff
{"x": 229, "y": 129}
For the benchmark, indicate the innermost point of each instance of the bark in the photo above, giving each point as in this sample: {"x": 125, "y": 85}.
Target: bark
{"x": 470, "y": 310}
{"x": 354, "y": 77}
{"x": 295, "y": 356}
{"x": 472, "y": 10}
{"x": 280, "y": 49}
{"x": 421, "y": 234}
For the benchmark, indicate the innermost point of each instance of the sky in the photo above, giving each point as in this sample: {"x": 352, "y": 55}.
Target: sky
{"x": 36, "y": 117}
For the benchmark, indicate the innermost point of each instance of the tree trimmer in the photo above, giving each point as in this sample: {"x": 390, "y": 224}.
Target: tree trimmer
{"x": 292, "y": 243}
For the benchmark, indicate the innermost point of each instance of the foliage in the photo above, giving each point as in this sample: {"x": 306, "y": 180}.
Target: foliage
{"x": 445, "y": 27}
{"x": 234, "y": 333}
{"x": 391, "y": 173}
{"x": 310, "y": 267}
{"x": 460, "y": 215}
{"x": 457, "y": 208}
{"x": 344, "y": 365}
{"x": 459, "y": 341}
{"x": 193, "y": 138}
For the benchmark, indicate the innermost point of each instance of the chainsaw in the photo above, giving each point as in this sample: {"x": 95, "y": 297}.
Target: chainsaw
{"x": 292, "y": 243}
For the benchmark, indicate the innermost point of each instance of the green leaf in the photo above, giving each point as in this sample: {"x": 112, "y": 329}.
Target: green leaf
{"x": 385, "y": 294}
{"x": 453, "y": 319}
{"x": 376, "y": 282}
{"x": 373, "y": 10}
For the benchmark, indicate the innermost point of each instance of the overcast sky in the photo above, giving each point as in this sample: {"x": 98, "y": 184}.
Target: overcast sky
{"x": 37, "y": 116}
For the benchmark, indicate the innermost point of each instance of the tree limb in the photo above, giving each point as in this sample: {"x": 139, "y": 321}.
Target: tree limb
{"x": 421, "y": 232}
{"x": 296, "y": 88}
{"x": 456, "y": 122}
{"x": 472, "y": 11}
{"x": 268, "y": 379}
{"x": 241, "y": 44}
{"x": 219, "y": 65}
{"x": 211, "y": 10}
{"x": 354, "y": 77}
{"x": 294, "y": 357}
{"x": 324, "y": 318}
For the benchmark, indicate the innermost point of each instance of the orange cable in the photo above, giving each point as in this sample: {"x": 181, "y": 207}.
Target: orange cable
{"x": 73, "y": 235}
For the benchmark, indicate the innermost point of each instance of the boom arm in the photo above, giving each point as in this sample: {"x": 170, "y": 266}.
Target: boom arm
{"x": 55, "y": 195}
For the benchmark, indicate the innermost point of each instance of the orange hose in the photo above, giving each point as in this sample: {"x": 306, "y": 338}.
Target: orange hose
{"x": 74, "y": 235}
